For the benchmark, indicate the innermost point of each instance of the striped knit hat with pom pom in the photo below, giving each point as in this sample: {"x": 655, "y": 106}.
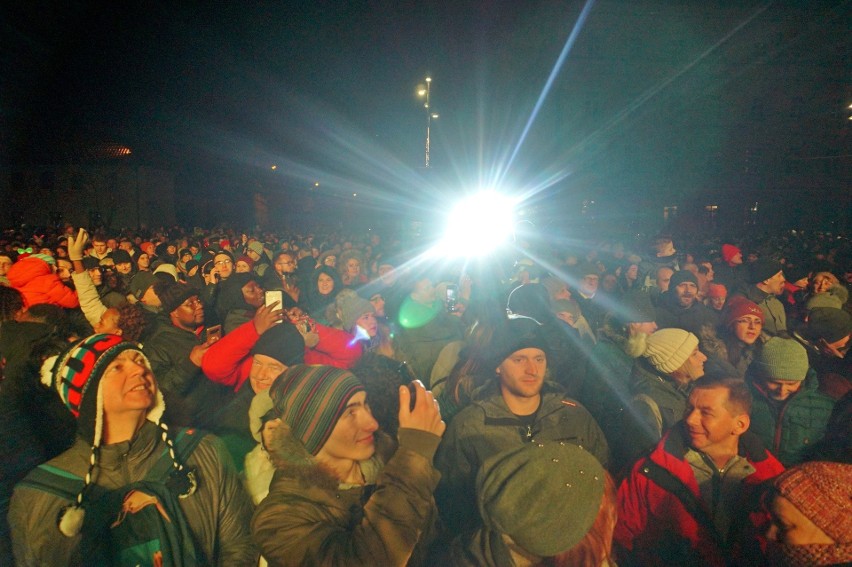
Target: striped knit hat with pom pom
{"x": 76, "y": 376}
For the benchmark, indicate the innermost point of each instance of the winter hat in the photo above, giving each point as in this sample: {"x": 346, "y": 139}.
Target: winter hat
{"x": 190, "y": 265}
{"x": 247, "y": 260}
{"x": 516, "y": 333}
{"x": 256, "y": 247}
{"x": 668, "y": 349}
{"x": 509, "y": 486}
{"x": 350, "y": 307}
{"x": 76, "y": 376}
{"x": 738, "y": 307}
{"x": 310, "y": 400}
{"x": 781, "y": 359}
{"x": 121, "y": 257}
{"x": 762, "y": 270}
{"x": 148, "y": 248}
{"x": 45, "y": 258}
{"x": 167, "y": 270}
{"x": 172, "y": 294}
{"x": 140, "y": 283}
{"x": 90, "y": 263}
{"x": 552, "y": 284}
{"x": 829, "y": 323}
{"x": 729, "y": 251}
{"x": 822, "y": 491}
{"x": 717, "y": 290}
{"x": 283, "y": 342}
{"x": 682, "y": 276}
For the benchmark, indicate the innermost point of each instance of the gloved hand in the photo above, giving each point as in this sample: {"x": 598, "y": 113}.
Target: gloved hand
{"x": 77, "y": 245}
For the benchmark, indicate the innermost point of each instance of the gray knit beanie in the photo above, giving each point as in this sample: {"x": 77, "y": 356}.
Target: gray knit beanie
{"x": 350, "y": 307}
{"x": 781, "y": 359}
{"x": 668, "y": 349}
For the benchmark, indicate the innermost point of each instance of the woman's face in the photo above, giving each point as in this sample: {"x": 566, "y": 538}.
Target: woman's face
{"x": 242, "y": 267}
{"x": 368, "y": 322}
{"x": 353, "y": 267}
{"x": 747, "y": 328}
{"x": 632, "y": 272}
{"x": 108, "y": 323}
{"x": 325, "y": 284}
{"x": 144, "y": 261}
{"x": 823, "y": 282}
{"x": 171, "y": 249}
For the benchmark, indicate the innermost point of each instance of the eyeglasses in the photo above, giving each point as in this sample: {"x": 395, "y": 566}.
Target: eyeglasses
{"x": 192, "y": 302}
{"x": 223, "y": 263}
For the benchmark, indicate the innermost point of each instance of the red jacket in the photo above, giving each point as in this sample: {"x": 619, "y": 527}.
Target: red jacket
{"x": 655, "y": 528}
{"x": 335, "y": 348}
{"x": 228, "y": 361}
{"x": 36, "y": 281}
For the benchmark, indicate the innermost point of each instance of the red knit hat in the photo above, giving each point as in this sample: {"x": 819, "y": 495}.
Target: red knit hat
{"x": 729, "y": 251}
{"x": 822, "y": 491}
{"x": 717, "y": 290}
{"x": 739, "y": 306}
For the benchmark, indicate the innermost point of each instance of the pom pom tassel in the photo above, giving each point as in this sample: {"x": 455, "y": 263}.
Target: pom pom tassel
{"x": 71, "y": 520}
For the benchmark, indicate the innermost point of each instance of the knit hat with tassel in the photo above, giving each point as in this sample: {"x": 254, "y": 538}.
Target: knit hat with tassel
{"x": 76, "y": 376}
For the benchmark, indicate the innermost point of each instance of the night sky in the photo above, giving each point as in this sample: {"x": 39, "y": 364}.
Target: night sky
{"x": 655, "y": 99}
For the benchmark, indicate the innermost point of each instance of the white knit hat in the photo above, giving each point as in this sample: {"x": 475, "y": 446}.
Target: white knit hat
{"x": 668, "y": 349}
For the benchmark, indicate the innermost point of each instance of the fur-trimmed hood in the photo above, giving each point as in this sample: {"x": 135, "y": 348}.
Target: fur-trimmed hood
{"x": 292, "y": 460}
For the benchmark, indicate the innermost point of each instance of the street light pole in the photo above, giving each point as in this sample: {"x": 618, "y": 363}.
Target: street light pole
{"x": 427, "y": 91}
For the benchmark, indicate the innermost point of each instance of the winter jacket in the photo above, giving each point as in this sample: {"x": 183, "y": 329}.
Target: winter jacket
{"x": 335, "y": 348}
{"x": 38, "y": 284}
{"x": 655, "y": 528}
{"x": 658, "y": 402}
{"x": 487, "y": 426}
{"x": 191, "y": 399}
{"x": 310, "y": 518}
{"x": 228, "y": 361}
{"x": 218, "y": 513}
{"x": 671, "y": 315}
{"x": 788, "y": 428}
{"x": 775, "y": 318}
{"x": 718, "y": 351}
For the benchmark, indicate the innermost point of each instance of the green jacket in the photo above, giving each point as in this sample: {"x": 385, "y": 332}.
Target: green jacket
{"x": 487, "y": 427}
{"x": 775, "y": 318}
{"x": 789, "y": 428}
{"x": 218, "y": 513}
{"x": 310, "y": 518}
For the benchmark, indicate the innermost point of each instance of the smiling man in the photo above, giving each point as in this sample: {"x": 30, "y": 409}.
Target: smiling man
{"x": 518, "y": 406}
{"x": 108, "y": 386}
{"x": 687, "y": 501}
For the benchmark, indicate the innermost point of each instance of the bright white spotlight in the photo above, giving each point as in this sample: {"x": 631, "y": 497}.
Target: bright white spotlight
{"x": 478, "y": 224}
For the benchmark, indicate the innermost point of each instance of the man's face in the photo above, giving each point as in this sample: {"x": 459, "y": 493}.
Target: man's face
{"x": 108, "y": 322}
{"x": 775, "y": 284}
{"x": 264, "y": 370}
{"x": 285, "y": 264}
{"x": 5, "y": 264}
{"x": 522, "y": 373}
{"x": 780, "y": 390}
{"x": 692, "y": 369}
{"x": 97, "y": 276}
{"x": 352, "y": 437}
{"x": 378, "y": 303}
{"x": 789, "y": 526}
{"x": 717, "y": 303}
{"x": 124, "y": 268}
{"x": 737, "y": 259}
{"x": 224, "y": 265}
{"x": 253, "y": 294}
{"x": 126, "y": 245}
{"x": 747, "y": 328}
{"x": 112, "y": 244}
{"x": 253, "y": 255}
{"x": 664, "y": 277}
{"x": 100, "y": 247}
{"x": 685, "y": 293}
{"x": 128, "y": 385}
{"x": 709, "y": 422}
{"x": 589, "y": 284}
{"x": 63, "y": 269}
{"x": 188, "y": 314}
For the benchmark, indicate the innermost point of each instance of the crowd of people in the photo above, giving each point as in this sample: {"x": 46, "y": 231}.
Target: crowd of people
{"x": 223, "y": 398}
